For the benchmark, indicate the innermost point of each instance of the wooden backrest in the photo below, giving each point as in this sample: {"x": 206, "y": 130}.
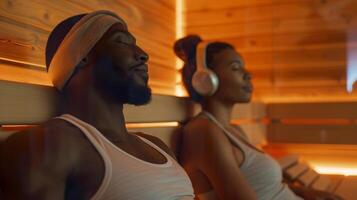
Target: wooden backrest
{"x": 315, "y": 123}
{"x": 25, "y": 104}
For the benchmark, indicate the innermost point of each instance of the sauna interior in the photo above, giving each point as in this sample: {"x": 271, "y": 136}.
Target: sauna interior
{"x": 302, "y": 55}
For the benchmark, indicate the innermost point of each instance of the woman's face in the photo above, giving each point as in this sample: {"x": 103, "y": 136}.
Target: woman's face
{"x": 235, "y": 84}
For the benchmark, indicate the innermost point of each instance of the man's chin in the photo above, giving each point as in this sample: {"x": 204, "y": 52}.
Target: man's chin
{"x": 139, "y": 95}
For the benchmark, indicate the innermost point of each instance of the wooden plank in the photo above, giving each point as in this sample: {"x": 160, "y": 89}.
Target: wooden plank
{"x": 322, "y": 183}
{"x": 296, "y": 170}
{"x": 269, "y": 27}
{"x": 171, "y": 136}
{"x": 254, "y": 110}
{"x": 289, "y": 41}
{"x": 317, "y": 154}
{"x": 288, "y": 161}
{"x": 161, "y": 109}
{"x": 17, "y": 108}
{"x": 302, "y": 93}
{"x": 347, "y": 189}
{"x": 256, "y": 133}
{"x": 316, "y": 134}
{"x": 345, "y": 110}
{"x": 307, "y": 178}
{"x": 199, "y": 5}
{"x": 234, "y": 14}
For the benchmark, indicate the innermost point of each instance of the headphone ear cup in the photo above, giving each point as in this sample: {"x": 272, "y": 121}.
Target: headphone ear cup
{"x": 205, "y": 82}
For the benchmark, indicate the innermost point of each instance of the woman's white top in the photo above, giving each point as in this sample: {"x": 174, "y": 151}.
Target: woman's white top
{"x": 261, "y": 171}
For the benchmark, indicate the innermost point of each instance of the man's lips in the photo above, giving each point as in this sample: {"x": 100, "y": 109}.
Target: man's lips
{"x": 140, "y": 68}
{"x": 142, "y": 71}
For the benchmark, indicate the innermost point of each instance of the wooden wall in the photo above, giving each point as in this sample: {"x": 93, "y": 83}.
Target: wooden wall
{"x": 297, "y": 50}
{"x": 25, "y": 26}
{"x": 313, "y": 123}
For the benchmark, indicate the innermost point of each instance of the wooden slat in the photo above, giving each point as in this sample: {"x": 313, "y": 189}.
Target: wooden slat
{"x": 33, "y": 104}
{"x": 313, "y": 110}
{"x": 288, "y": 161}
{"x": 161, "y": 109}
{"x": 256, "y": 133}
{"x": 347, "y": 189}
{"x": 322, "y": 183}
{"x": 318, "y": 134}
{"x": 26, "y": 104}
{"x": 235, "y": 14}
{"x": 198, "y": 5}
{"x": 171, "y": 136}
{"x": 296, "y": 170}
{"x": 307, "y": 178}
{"x": 253, "y": 110}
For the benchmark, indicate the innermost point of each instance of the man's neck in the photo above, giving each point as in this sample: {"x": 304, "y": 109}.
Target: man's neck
{"x": 95, "y": 110}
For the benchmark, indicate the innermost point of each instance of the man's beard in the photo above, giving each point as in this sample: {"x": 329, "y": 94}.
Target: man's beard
{"x": 125, "y": 90}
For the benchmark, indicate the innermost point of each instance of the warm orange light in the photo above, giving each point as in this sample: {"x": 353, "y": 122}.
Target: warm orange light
{"x": 179, "y": 26}
{"x": 180, "y": 91}
{"x": 347, "y": 171}
{"x": 151, "y": 124}
{"x": 317, "y": 121}
{"x": 15, "y": 127}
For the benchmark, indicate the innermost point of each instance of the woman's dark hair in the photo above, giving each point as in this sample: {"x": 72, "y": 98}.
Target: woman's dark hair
{"x": 185, "y": 49}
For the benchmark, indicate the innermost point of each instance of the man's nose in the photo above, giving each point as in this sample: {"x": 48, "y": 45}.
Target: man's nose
{"x": 141, "y": 56}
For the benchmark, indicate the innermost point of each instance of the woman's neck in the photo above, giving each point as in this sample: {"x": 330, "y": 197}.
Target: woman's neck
{"x": 220, "y": 110}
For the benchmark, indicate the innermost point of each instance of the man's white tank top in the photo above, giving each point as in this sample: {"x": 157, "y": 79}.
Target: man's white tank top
{"x": 130, "y": 178}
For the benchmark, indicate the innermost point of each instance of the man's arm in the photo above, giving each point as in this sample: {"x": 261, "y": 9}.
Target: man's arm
{"x": 34, "y": 165}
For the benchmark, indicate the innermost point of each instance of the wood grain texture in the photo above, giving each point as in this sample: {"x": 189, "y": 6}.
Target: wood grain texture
{"x": 289, "y": 46}
{"x": 34, "y": 104}
{"x": 25, "y": 26}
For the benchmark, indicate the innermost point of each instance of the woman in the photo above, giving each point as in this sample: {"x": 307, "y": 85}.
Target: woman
{"x": 219, "y": 160}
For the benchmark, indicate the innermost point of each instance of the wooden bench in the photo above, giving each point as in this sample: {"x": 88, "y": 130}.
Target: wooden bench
{"x": 299, "y": 172}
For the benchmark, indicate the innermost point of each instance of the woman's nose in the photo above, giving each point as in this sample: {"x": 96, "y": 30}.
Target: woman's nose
{"x": 247, "y": 76}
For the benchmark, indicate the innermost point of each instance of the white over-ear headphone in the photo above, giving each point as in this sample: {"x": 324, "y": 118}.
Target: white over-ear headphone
{"x": 204, "y": 81}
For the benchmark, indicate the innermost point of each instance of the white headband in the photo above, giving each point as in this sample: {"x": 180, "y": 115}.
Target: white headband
{"x": 77, "y": 44}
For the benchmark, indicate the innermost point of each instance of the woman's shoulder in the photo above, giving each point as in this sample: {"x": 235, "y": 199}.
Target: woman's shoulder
{"x": 202, "y": 132}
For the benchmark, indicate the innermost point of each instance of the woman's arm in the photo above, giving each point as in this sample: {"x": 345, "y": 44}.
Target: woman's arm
{"x": 212, "y": 154}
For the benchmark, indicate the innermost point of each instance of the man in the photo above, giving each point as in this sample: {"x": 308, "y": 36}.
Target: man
{"x": 87, "y": 153}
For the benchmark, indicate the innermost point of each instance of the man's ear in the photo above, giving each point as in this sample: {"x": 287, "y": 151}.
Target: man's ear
{"x": 84, "y": 62}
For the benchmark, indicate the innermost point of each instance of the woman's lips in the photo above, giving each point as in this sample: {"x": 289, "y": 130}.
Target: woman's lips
{"x": 248, "y": 88}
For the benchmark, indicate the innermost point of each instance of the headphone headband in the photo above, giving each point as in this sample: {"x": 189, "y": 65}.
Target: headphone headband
{"x": 201, "y": 61}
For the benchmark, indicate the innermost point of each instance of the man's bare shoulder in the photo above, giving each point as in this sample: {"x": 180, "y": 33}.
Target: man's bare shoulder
{"x": 54, "y": 140}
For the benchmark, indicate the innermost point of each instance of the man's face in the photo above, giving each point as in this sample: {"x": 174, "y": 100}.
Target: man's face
{"x": 120, "y": 69}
